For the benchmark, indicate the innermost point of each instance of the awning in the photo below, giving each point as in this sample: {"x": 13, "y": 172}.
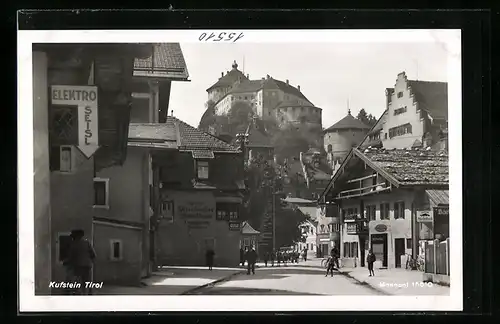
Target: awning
{"x": 439, "y": 197}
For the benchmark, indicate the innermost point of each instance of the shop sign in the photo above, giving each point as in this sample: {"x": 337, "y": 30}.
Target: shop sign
{"x": 441, "y": 211}
{"x": 234, "y": 226}
{"x": 381, "y": 228}
{"x": 424, "y": 216}
{"x": 84, "y": 98}
{"x": 352, "y": 228}
{"x": 196, "y": 210}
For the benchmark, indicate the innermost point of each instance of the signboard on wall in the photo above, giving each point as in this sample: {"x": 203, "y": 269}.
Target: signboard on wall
{"x": 85, "y": 99}
{"x": 351, "y": 228}
{"x": 381, "y": 228}
{"x": 441, "y": 211}
{"x": 424, "y": 216}
{"x": 234, "y": 226}
{"x": 195, "y": 210}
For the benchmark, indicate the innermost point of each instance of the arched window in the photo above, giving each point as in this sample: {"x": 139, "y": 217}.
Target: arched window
{"x": 330, "y": 148}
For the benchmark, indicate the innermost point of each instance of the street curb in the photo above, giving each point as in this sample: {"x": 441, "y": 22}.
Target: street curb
{"x": 211, "y": 283}
{"x": 345, "y": 273}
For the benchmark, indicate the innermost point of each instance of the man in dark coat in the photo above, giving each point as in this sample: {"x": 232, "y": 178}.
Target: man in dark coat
{"x": 81, "y": 259}
{"x": 251, "y": 258}
{"x": 242, "y": 257}
{"x": 210, "y": 258}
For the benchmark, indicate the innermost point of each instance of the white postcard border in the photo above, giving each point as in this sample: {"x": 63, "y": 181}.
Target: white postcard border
{"x": 450, "y": 39}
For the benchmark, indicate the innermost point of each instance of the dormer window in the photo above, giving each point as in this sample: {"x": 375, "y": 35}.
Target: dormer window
{"x": 202, "y": 169}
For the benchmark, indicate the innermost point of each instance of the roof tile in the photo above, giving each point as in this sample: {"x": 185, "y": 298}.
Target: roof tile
{"x": 348, "y": 122}
{"x": 167, "y": 61}
{"x": 431, "y": 96}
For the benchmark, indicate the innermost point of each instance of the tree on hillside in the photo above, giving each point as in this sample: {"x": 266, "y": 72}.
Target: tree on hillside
{"x": 240, "y": 113}
{"x": 208, "y": 117}
{"x": 367, "y": 119}
{"x": 289, "y": 143}
{"x": 288, "y": 221}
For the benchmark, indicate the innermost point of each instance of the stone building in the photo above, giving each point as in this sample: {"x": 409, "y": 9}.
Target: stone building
{"x": 64, "y": 186}
{"x": 124, "y": 217}
{"x": 416, "y": 115}
{"x": 341, "y": 137}
{"x": 270, "y": 99}
{"x": 200, "y": 191}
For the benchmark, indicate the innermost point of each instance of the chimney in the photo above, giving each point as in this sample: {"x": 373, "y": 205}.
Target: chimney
{"x": 248, "y": 76}
{"x": 298, "y": 87}
{"x": 172, "y": 113}
{"x": 287, "y": 82}
{"x": 222, "y": 74}
{"x": 267, "y": 76}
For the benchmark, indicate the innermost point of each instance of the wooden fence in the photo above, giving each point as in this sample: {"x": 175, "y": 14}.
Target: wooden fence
{"x": 437, "y": 257}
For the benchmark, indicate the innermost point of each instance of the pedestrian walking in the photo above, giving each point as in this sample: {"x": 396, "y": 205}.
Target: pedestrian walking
{"x": 305, "y": 255}
{"x": 209, "y": 255}
{"x": 336, "y": 255}
{"x": 242, "y": 257}
{"x": 273, "y": 257}
{"x": 370, "y": 259}
{"x": 81, "y": 260}
{"x": 331, "y": 262}
{"x": 251, "y": 258}
{"x": 279, "y": 257}
{"x": 266, "y": 258}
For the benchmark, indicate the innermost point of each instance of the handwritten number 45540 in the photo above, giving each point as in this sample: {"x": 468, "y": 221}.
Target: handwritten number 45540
{"x": 221, "y": 37}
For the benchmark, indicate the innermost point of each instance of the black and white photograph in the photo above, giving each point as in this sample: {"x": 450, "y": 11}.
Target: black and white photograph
{"x": 172, "y": 172}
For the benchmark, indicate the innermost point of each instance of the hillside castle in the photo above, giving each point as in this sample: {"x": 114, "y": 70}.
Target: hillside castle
{"x": 270, "y": 99}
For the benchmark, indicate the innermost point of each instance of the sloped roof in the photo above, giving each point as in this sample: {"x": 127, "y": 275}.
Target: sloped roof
{"x": 287, "y": 88}
{"x": 439, "y": 197}
{"x": 409, "y": 167}
{"x": 152, "y": 136}
{"x": 348, "y": 122}
{"x": 166, "y": 61}
{"x": 191, "y": 138}
{"x": 380, "y": 123}
{"x": 229, "y": 78}
{"x": 247, "y": 86}
{"x": 248, "y": 229}
{"x": 432, "y": 97}
{"x": 296, "y": 200}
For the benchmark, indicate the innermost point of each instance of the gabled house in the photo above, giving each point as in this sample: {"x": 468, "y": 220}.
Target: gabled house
{"x": 417, "y": 112}
{"x": 200, "y": 191}
{"x": 249, "y": 237}
{"x": 387, "y": 200}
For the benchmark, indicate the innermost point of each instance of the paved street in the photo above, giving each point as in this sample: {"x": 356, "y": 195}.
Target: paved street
{"x": 290, "y": 280}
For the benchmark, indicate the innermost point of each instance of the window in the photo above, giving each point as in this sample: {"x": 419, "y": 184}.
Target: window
{"x": 400, "y": 94}
{"x": 202, "y": 167}
{"x": 385, "y": 136}
{"x": 227, "y": 212}
{"x": 116, "y": 250}
{"x": 101, "y": 192}
{"x": 408, "y": 243}
{"x": 370, "y": 212}
{"x": 253, "y": 97}
{"x": 384, "y": 211}
{"x": 350, "y": 249}
{"x": 63, "y": 246}
{"x": 399, "y": 210}
{"x": 65, "y": 164}
{"x": 330, "y": 148}
{"x": 273, "y": 94}
{"x": 399, "y": 111}
{"x": 400, "y": 130}
{"x": 246, "y": 98}
{"x": 167, "y": 210}
{"x": 322, "y": 228}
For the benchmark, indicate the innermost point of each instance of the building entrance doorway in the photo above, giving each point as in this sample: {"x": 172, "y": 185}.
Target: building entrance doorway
{"x": 399, "y": 250}
{"x": 379, "y": 247}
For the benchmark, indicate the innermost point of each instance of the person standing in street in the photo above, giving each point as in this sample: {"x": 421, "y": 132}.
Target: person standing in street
{"x": 370, "y": 259}
{"x": 242, "y": 257}
{"x": 336, "y": 255}
{"x": 210, "y": 254}
{"x": 81, "y": 259}
{"x": 273, "y": 256}
{"x": 251, "y": 258}
{"x": 266, "y": 258}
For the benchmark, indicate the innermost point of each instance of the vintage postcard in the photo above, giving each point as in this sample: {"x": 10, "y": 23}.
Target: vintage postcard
{"x": 240, "y": 170}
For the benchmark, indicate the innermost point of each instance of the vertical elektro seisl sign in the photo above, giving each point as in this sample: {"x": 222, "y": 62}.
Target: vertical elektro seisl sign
{"x": 86, "y": 101}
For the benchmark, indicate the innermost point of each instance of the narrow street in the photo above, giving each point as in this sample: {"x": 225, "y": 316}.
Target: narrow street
{"x": 289, "y": 280}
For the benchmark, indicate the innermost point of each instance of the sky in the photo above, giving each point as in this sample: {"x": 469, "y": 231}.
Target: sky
{"x": 331, "y": 75}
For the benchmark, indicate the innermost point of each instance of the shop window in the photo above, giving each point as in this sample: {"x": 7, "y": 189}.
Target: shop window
{"x": 101, "y": 192}
{"x": 63, "y": 246}
{"x": 370, "y": 212}
{"x": 408, "y": 243}
{"x": 116, "y": 250}
{"x": 330, "y": 148}
{"x": 399, "y": 210}
{"x": 202, "y": 169}
{"x": 350, "y": 249}
{"x": 384, "y": 211}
